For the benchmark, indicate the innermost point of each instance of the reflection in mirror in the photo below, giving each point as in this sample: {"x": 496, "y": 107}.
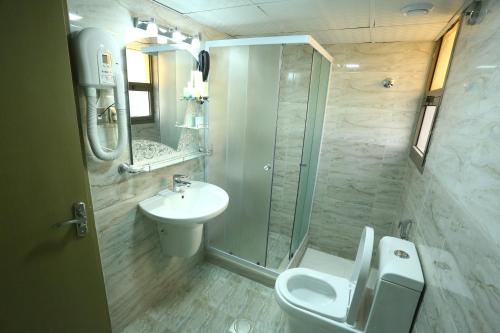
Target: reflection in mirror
{"x": 166, "y": 128}
{"x": 140, "y": 86}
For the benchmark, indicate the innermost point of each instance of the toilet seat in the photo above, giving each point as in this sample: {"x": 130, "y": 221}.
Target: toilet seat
{"x": 320, "y": 295}
{"x": 323, "y": 294}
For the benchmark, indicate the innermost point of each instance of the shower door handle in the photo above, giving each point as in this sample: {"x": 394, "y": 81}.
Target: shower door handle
{"x": 267, "y": 167}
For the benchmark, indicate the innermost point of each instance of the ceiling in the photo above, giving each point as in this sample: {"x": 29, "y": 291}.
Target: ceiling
{"x": 329, "y": 21}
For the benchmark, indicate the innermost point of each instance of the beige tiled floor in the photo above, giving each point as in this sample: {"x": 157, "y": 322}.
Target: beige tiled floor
{"x": 208, "y": 301}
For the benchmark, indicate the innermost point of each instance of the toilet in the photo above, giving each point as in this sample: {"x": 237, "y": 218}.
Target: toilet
{"x": 321, "y": 303}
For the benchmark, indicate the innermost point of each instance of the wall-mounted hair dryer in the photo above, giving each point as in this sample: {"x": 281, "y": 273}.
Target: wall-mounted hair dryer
{"x": 99, "y": 65}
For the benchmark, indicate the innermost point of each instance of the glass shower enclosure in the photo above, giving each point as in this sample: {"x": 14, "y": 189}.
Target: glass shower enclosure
{"x": 266, "y": 111}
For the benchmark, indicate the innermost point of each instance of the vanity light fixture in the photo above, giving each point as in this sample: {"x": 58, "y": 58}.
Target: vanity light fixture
{"x": 152, "y": 28}
{"x": 195, "y": 41}
{"x": 161, "y": 38}
{"x": 178, "y": 36}
{"x": 417, "y": 9}
{"x": 141, "y": 24}
{"x": 173, "y": 34}
{"x": 166, "y": 33}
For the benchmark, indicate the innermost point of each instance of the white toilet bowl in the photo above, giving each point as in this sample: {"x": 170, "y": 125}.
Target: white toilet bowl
{"x": 318, "y": 302}
{"x": 323, "y": 294}
{"x": 315, "y": 302}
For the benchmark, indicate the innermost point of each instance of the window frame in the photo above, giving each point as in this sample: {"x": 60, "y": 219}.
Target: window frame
{"x": 141, "y": 86}
{"x": 432, "y": 98}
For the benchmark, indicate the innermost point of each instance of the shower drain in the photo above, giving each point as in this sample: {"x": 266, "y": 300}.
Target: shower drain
{"x": 241, "y": 326}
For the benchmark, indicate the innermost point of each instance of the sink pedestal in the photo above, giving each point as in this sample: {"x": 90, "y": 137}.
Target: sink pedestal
{"x": 180, "y": 241}
{"x": 180, "y": 216}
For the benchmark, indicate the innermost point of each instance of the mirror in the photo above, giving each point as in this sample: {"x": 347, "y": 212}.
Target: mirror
{"x": 167, "y": 127}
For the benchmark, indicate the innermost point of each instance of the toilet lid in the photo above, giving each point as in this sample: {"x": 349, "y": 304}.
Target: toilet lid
{"x": 360, "y": 273}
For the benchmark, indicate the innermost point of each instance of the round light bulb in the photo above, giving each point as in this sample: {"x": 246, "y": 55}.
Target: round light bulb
{"x": 152, "y": 29}
{"x": 177, "y": 36}
{"x": 195, "y": 42}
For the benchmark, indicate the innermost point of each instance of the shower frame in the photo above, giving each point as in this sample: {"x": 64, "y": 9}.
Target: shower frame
{"x": 242, "y": 266}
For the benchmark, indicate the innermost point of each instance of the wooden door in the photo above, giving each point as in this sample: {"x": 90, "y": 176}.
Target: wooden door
{"x": 50, "y": 280}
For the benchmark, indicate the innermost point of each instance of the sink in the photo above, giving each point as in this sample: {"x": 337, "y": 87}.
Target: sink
{"x": 180, "y": 216}
{"x": 197, "y": 204}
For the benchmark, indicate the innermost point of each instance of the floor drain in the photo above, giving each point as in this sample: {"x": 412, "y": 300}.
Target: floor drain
{"x": 241, "y": 326}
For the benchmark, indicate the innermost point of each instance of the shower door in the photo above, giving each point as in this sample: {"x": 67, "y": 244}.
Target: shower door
{"x": 244, "y": 85}
{"x": 316, "y": 107}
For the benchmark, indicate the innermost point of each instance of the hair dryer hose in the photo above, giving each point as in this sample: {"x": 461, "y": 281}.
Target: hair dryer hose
{"x": 92, "y": 132}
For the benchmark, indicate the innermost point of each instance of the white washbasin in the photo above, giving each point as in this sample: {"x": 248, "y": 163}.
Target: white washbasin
{"x": 196, "y": 205}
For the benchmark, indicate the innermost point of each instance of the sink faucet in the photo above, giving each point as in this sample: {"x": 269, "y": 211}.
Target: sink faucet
{"x": 180, "y": 182}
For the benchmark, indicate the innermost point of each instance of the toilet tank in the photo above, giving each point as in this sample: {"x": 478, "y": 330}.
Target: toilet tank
{"x": 399, "y": 285}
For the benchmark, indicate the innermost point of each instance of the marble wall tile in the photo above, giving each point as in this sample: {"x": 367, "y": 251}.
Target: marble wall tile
{"x": 137, "y": 274}
{"x": 292, "y": 112}
{"x": 146, "y": 132}
{"x": 295, "y": 73}
{"x": 454, "y": 203}
{"x": 366, "y": 136}
{"x": 383, "y": 57}
{"x": 278, "y": 247}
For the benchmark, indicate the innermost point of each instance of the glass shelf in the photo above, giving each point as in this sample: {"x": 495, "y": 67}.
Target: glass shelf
{"x": 192, "y": 127}
{"x": 200, "y": 100}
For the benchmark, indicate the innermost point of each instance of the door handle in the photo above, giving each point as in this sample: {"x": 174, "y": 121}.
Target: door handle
{"x": 267, "y": 167}
{"x": 80, "y": 219}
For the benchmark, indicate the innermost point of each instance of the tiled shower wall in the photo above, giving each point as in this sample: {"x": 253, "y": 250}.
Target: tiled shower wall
{"x": 366, "y": 138}
{"x": 295, "y": 77}
{"x": 137, "y": 274}
{"x": 455, "y": 202}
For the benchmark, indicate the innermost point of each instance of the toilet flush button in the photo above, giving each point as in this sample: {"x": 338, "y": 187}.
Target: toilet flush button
{"x": 402, "y": 254}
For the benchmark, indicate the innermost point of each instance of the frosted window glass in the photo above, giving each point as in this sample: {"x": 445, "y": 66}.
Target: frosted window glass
{"x": 425, "y": 129}
{"x": 244, "y": 100}
{"x": 137, "y": 66}
{"x": 139, "y": 103}
{"x": 443, "y": 59}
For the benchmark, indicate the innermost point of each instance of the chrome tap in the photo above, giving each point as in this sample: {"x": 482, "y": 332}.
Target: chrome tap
{"x": 180, "y": 182}
{"x": 404, "y": 229}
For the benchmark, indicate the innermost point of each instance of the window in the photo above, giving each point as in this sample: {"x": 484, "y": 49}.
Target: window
{"x": 140, "y": 87}
{"x": 430, "y": 106}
